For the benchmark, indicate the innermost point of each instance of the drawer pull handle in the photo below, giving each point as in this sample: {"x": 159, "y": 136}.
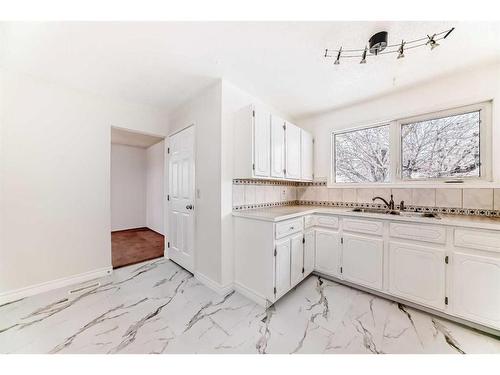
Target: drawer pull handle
{"x": 292, "y": 228}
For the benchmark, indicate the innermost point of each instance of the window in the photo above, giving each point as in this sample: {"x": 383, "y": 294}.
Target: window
{"x": 446, "y": 147}
{"x": 442, "y": 146}
{"x": 363, "y": 155}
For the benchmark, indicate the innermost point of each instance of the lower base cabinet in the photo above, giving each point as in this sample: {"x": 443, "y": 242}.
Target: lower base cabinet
{"x": 476, "y": 288}
{"x": 417, "y": 273}
{"x": 282, "y": 267}
{"x": 297, "y": 259}
{"x": 328, "y": 252}
{"x": 309, "y": 250}
{"x": 362, "y": 260}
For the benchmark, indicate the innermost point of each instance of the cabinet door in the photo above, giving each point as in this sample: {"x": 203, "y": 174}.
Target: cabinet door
{"x": 327, "y": 252}
{"x": 297, "y": 258}
{"x": 282, "y": 267}
{"x": 476, "y": 288}
{"x": 417, "y": 273}
{"x": 277, "y": 147}
{"x": 292, "y": 152}
{"x": 362, "y": 260}
{"x": 309, "y": 246}
{"x": 306, "y": 153}
{"x": 262, "y": 143}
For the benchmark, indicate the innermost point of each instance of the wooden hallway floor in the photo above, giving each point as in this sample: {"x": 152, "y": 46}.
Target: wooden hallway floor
{"x": 135, "y": 245}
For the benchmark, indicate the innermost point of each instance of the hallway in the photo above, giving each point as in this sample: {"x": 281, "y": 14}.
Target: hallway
{"x": 135, "y": 245}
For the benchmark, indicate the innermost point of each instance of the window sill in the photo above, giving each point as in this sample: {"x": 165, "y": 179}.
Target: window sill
{"x": 423, "y": 185}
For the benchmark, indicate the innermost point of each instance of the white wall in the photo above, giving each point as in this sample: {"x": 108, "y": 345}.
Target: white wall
{"x": 204, "y": 111}
{"x": 155, "y": 195}
{"x": 55, "y": 178}
{"x": 461, "y": 88}
{"x": 128, "y": 187}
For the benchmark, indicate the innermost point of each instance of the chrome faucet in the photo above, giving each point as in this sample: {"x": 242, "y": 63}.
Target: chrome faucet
{"x": 389, "y": 205}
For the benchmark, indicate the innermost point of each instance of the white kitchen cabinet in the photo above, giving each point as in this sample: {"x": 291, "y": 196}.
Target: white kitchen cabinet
{"x": 362, "y": 260}
{"x": 262, "y": 147}
{"x": 292, "y": 152}
{"x": 306, "y": 155}
{"x": 417, "y": 273}
{"x": 327, "y": 258}
{"x": 476, "y": 287}
{"x": 297, "y": 259}
{"x": 282, "y": 266}
{"x": 277, "y": 147}
{"x": 309, "y": 249}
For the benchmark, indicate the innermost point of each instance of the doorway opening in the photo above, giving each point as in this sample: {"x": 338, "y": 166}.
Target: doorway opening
{"x": 137, "y": 197}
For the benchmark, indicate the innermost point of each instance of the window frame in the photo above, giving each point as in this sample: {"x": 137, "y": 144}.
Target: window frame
{"x": 395, "y": 149}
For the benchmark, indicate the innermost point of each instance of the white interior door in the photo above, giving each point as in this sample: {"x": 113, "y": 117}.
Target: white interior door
{"x": 181, "y": 192}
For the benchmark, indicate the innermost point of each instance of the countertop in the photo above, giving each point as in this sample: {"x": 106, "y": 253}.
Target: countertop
{"x": 274, "y": 214}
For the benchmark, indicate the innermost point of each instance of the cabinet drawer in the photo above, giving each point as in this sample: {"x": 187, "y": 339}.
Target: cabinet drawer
{"x": 285, "y": 228}
{"x": 418, "y": 232}
{"x": 309, "y": 221}
{"x": 327, "y": 221}
{"x": 363, "y": 226}
{"x": 477, "y": 239}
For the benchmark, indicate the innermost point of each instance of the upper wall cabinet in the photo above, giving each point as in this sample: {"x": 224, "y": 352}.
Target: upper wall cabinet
{"x": 292, "y": 152}
{"x": 268, "y": 147}
{"x": 277, "y": 147}
{"x": 307, "y": 166}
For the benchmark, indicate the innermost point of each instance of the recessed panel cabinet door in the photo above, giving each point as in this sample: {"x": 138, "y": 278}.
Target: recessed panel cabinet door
{"x": 417, "y": 273}
{"x": 262, "y": 143}
{"x": 306, "y": 140}
{"x": 292, "y": 152}
{"x": 327, "y": 252}
{"x": 362, "y": 260}
{"x": 277, "y": 147}
{"x": 297, "y": 259}
{"x": 309, "y": 246}
{"x": 282, "y": 267}
{"x": 476, "y": 288}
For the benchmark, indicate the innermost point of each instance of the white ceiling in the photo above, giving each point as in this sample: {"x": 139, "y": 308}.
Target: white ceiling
{"x": 164, "y": 63}
{"x": 128, "y": 138}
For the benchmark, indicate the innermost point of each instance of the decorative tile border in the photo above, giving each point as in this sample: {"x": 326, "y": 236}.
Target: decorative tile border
{"x": 441, "y": 210}
{"x": 263, "y": 182}
{"x": 265, "y": 205}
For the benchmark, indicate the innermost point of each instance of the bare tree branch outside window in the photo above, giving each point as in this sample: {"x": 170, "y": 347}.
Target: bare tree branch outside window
{"x": 440, "y": 148}
{"x": 362, "y": 155}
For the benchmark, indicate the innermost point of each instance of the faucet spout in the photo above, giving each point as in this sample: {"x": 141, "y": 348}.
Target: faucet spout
{"x": 389, "y": 205}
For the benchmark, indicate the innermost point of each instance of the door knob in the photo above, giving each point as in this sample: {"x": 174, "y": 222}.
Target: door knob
{"x": 189, "y": 207}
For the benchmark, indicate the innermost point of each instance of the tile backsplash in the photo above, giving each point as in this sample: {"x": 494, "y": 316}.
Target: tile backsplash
{"x": 257, "y": 193}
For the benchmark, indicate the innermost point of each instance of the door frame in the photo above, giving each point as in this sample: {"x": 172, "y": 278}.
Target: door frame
{"x": 165, "y": 188}
{"x": 167, "y": 178}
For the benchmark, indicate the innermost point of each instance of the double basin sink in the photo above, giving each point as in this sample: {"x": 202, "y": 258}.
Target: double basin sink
{"x": 386, "y": 211}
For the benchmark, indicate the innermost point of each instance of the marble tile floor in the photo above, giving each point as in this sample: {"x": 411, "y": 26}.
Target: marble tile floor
{"x": 157, "y": 307}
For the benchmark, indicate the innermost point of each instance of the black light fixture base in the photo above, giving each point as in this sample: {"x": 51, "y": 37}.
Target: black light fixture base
{"x": 378, "y": 42}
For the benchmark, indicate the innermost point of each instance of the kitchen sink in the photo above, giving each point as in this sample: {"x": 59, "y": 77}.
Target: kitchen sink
{"x": 386, "y": 211}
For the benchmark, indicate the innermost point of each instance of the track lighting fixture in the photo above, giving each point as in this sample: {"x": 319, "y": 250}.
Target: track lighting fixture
{"x": 377, "y": 45}
{"x": 363, "y": 59}
{"x": 401, "y": 50}
{"x": 337, "y": 61}
{"x": 432, "y": 42}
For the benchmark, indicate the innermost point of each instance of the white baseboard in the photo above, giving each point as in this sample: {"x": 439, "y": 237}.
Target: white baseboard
{"x": 31, "y": 290}
{"x": 250, "y": 294}
{"x": 220, "y": 289}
